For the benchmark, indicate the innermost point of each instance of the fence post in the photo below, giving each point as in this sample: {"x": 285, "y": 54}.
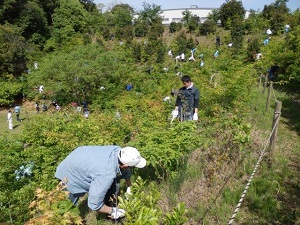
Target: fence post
{"x": 273, "y": 137}
{"x": 269, "y": 95}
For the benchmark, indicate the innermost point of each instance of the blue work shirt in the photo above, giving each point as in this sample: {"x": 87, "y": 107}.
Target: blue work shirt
{"x": 129, "y": 87}
{"x": 266, "y": 41}
{"x": 17, "y": 109}
{"x": 90, "y": 169}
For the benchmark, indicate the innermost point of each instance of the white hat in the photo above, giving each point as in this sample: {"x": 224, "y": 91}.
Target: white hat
{"x": 131, "y": 157}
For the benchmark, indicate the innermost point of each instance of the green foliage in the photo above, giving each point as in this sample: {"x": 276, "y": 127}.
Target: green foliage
{"x": 140, "y": 28}
{"x": 33, "y": 21}
{"x": 142, "y": 207}
{"x": 10, "y": 11}
{"x": 150, "y": 14}
{"x": 15, "y": 194}
{"x": 194, "y": 23}
{"x": 124, "y": 33}
{"x": 187, "y": 15}
{"x": 157, "y": 30}
{"x": 70, "y": 13}
{"x": 178, "y": 216}
{"x": 12, "y": 51}
{"x": 148, "y": 52}
{"x": 237, "y": 33}
{"x": 253, "y": 48}
{"x": 66, "y": 82}
{"x": 284, "y": 53}
{"x": 10, "y": 91}
{"x": 182, "y": 43}
{"x": 70, "y": 20}
{"x": 122, "y": 15}
{"x": 276, "y": 13}
{"x": 173, "y": 27}
{"x": 137, "y": 51}
{"x": 213, "y": 16}
{"x": 161, "y": 49}
{"x": 207, "y": 27}
{"x": 229, "y": 11}
{"x": 165, "y": 148}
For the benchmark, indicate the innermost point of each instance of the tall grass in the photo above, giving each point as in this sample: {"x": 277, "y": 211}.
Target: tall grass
{"x": 273, "y": 196}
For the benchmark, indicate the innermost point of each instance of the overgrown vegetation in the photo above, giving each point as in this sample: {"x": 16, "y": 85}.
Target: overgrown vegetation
{"x": 200, "y": 167}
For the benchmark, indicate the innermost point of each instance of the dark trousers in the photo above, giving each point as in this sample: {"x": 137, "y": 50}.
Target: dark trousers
{"x": 109, "y": 200}
{"x": 111, "y": 195}
{"x": 18, "y": 117}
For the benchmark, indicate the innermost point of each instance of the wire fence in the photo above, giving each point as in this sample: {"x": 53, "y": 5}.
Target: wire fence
{"x": 238, "y": 206}
{"x": 263, "y": 152}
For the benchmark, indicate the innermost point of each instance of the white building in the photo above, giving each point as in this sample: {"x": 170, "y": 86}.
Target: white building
{"x": 175, "y": 15}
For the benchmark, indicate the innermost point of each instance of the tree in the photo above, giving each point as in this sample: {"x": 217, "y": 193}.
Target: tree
{"x": 10, "y": 11}
{"x": 140, "y": 28}
{"x": 89, "y": 5}
{"x": 255, "y": 23}
{"x": 120, "y": 21}
{"x": 149, "y": 19}
{"x": 182, "y": 43}
{"x": 124, "y": 33}
{"x": 150, "y": 13}
{"x": 173, "y": 27}
{"x": 137, "y": 51}
{"x": 122, "y": 15}
{"x": 190, "y": 21}
{"x": 187, "y": 16}
{"x": 285, "y": 55}
{"x": 74, "y": 75}
{"x": 253, "y": 48}
{"x": 70, "y": 13}
{"x": 230, "y": 10}
{"x": 237, "y": 33}
{"x": 33, "y": 21}
{"x": 70, "y": 20}
{"x": 276, "y": 13}
{"x": 207, "y": 27}
{"x": 157, "y": 30}
{"x": 12, "y": 51}
{"x": 194, "y": 23}
{"x": 214, "y": 16}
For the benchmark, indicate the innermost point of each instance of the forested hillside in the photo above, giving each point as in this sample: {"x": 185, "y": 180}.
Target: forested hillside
{"x": 196, "y": 170}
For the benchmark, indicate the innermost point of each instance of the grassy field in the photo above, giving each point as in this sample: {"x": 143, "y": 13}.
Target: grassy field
{"x": 27, "y": 112}
{"x": 17, "y": 125}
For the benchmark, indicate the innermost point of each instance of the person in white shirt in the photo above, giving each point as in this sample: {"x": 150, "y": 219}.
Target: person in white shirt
{"x": 182, "y": 56}
{"x": 41, "y": 89}
{"x": 10, "y": 120}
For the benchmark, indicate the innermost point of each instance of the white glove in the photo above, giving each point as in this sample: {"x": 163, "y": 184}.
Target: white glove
{"x": 117, "y": 213}
{"x": 195, "y": 116}
{"x": 128, "y": 191}
{"x": 175, "y": 113}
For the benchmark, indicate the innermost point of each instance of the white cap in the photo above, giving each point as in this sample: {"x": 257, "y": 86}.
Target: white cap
{"x": 131, "y": 157}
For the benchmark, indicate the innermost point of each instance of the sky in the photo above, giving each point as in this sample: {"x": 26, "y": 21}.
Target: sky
{"x": 173, "y": 4}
